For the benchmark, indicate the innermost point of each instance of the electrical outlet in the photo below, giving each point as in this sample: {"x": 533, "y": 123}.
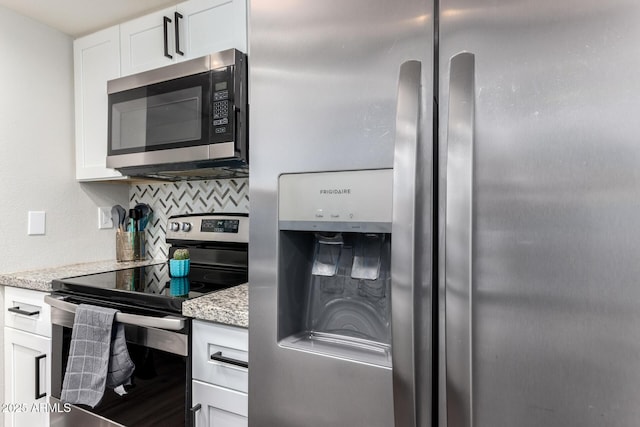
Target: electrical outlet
{"x": 104, "y": 218}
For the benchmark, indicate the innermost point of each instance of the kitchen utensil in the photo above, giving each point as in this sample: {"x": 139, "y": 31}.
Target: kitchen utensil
{"x": 134, "y": 217}
{"x": 120, "y": 213}
{"x": 145, "y": 215}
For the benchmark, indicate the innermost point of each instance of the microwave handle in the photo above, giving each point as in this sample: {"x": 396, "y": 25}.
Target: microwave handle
{"x": 165, "y": 24}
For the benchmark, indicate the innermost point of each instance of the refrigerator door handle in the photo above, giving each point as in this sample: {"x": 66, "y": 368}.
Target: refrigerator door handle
{"x": 459, "y": 234}
{"x": 403, "y": 243}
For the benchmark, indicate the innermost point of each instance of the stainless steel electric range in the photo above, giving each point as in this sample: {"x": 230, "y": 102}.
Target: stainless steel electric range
{"x": 158, "y": 336}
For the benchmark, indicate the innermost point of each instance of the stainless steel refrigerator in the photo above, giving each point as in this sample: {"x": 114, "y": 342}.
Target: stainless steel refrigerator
{"x": 445, "y": 204}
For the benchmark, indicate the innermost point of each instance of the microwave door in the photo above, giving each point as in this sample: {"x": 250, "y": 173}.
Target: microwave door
{"x": 165, "y": 115}
{"x": 175, "y": 117}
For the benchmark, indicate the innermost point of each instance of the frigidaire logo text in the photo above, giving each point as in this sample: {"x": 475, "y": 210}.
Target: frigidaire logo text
{"x": 335, "y": 191}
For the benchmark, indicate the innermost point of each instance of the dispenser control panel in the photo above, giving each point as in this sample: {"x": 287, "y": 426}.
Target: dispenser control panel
{"x": 348, "y": 200}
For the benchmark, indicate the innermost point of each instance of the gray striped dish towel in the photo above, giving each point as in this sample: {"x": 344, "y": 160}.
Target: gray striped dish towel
{"x": 98, "y": 356}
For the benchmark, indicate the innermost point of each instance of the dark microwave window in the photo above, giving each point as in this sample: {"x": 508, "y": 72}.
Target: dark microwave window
{"x": 129, "y": 124}
{"x": 175, "y": 116}
{"x": 158, "y": 119}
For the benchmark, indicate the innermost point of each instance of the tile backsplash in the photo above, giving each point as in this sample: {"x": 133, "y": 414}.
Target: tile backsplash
{"x": 186, "y": 197}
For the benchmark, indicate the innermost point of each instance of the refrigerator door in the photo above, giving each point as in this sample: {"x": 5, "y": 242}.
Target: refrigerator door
{"x": 541, "y": 184}
{"x": 323, "y": 91}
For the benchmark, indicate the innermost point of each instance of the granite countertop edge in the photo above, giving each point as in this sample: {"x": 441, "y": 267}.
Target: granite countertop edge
{"x": 229, "y": 306}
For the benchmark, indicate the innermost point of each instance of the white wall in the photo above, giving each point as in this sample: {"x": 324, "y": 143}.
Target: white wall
{"x": 37, "y": 165}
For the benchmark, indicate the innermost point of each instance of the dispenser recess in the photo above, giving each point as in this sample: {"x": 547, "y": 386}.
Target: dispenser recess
{"x": 334, "y": 282}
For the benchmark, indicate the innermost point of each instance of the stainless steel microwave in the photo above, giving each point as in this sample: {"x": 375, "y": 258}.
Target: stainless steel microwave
{"x": 186, "y": 120}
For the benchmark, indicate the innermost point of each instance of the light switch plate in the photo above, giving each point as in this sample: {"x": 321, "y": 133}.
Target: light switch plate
{"x": 104, "y": 218}
{"x": 36, "y": 223}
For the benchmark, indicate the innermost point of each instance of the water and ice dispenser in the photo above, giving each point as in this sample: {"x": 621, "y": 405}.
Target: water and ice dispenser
{"x": 334, "y": 273}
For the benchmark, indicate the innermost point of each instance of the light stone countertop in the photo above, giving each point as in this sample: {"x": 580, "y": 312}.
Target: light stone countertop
{"x": 228, "y": 306}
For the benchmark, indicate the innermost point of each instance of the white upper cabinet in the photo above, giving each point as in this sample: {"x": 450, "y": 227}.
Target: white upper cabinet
{"x": 189, "y": 30}
{"x": 213, "y": 25}
{"x": 142, "y": 42}
{"x": 96, "y": 60}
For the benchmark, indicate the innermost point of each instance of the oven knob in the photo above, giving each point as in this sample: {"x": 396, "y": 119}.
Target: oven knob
{"x": 175, "y": 226}
{"x": 186, "y": 226}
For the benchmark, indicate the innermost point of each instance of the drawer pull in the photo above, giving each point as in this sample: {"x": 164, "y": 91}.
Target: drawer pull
{"x": 39, "y": 394}
{"x": 17, "y": 310}
{"x": 194, "y": 411}
{"x": 218, "y": 357}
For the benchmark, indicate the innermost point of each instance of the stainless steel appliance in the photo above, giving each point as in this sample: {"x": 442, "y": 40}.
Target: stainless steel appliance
{"x": 333, "y": 349}
{"x": 186, "y": 119}
{"x": 158, "y": 336}
{"x": 510, "y": 128}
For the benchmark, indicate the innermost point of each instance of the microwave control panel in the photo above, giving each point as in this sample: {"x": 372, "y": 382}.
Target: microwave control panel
{"x": 222, "y": 104}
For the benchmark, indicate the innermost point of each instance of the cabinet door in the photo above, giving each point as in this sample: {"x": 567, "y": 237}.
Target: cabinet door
{"x": 142, "y": 44}
{"x": 231, "y": 342}
{"x": 219, "y": 407}
{"x": 209, "y": 26}
{"x": 96, "y": 60}
{"x": 26, "y": 358}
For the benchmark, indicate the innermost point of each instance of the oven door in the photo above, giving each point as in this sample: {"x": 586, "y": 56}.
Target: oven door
{"x": 160, "y": 390}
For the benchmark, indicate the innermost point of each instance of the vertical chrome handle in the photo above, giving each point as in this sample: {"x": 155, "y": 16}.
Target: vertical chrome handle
{"x": 459, "y": 235}
{"x": 403, "y": 244}
{"x": 177, "y": 16}
{"x": 165, "y": 24}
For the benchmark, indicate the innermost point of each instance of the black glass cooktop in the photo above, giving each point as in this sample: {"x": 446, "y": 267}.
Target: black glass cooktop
{"x": 149, "y": 287}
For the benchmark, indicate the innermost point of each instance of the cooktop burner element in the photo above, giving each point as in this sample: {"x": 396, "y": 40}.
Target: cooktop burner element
{"x": 218, "y": 247}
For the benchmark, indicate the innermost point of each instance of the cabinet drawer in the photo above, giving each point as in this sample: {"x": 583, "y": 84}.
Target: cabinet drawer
{"x": 230, "y": 343}
{"x": 219, "y": 406}
{"x": 25, "y": 309}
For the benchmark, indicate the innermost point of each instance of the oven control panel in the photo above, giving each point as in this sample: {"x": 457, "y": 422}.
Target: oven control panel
{"x": 209, "y": 227}
{"x": 219, "y": 225}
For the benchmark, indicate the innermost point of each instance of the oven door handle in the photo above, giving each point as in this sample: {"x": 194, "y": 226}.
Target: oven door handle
{"x": 171, "y": 323}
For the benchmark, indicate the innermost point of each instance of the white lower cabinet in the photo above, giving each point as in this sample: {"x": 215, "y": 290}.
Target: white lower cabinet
{"x": 219, "y": 406}
{"x": 27, "y": 358}
{"x": 220, "y": 375}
